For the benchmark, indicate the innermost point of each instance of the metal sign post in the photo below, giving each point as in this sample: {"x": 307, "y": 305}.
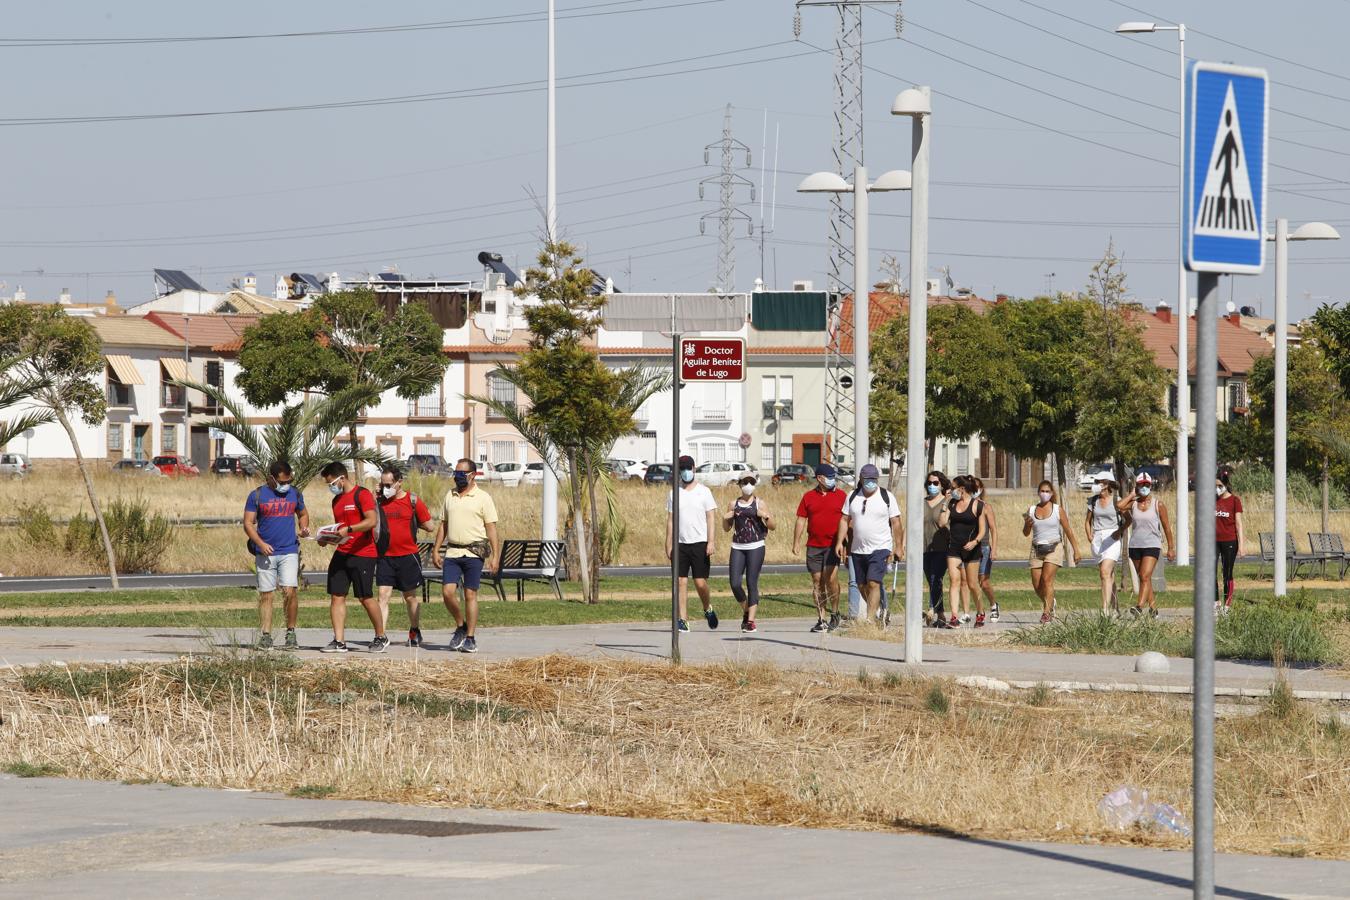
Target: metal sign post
{"x": 1227, "y": 111}
{"x": 674, "y": 490}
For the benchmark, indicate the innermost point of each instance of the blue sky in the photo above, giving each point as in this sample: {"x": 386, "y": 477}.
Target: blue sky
{"x": 1051, "y": 137}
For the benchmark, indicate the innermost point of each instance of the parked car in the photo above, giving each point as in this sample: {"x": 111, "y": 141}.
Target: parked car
{"x": 617, "y": 470}
{"x": 14, "y": 465}
{"x": 137, "y": 467}
{"x": 636, "y": 468}
{"x": 794, "y": 473}
{"x": 1088, "y": 480}
{"x": 657, "y": 473}
{"x": 232, "y": 465}
{"x": 427, "y": 464}
{"x": 507, "y": 474}
{"x": 716, "y": 474}
{"x": 1163, "y": 475}
{"x": 533, "y": 474}
{"x": 175, "y": 466}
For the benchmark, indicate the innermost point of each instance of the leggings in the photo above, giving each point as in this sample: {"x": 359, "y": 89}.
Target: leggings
{"x": 935, "y": 569}
{"x": 746, "y": 563}
{"x": 1227, "y": 556}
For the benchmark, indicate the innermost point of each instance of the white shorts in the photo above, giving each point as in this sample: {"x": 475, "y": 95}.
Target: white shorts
{"x": 1105, "y": 547}
{"x": 282, "y": 569}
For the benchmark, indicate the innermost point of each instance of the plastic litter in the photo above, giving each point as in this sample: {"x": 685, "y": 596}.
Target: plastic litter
{"x": 1128, "y": 806}
{"x": 97, "y": 720}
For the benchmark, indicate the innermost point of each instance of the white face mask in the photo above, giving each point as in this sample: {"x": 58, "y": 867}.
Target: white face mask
{"x": 389, "y": 490}
{"x": 747, "y": 489}
{"x": 976, "y": 495}
{"x": 1219, "y": 489}
{"x": 1045, "y": 496}
{"x": 281, "y": 488}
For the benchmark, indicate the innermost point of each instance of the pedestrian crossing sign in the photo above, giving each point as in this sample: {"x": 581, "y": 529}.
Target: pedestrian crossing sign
{"x": 1227, "y": 111}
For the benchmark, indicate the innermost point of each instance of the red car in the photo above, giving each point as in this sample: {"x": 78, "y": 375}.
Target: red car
{"x": 173, "y": 465}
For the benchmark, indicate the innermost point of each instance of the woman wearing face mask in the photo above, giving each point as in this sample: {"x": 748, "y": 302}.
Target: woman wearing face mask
{"x": 749, "y": 523}
{"x": 935, "y": 540}
{"x": 964, "y": 517}
{"x": 1104, "y": 527}
{"x": 1228, "y": 533}
{"x": 1148, "y": 526}
{"x": 988, "y": 550}
{"x": 1047, "y": 526}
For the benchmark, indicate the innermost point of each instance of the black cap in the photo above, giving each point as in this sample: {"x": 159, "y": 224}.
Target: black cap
{"x": 686, "y": 462}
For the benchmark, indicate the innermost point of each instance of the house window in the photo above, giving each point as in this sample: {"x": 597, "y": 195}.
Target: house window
{"x": 115, "y": 437}
{"x": 215, "y": 373}
{"x": 962, "y": 459}
{"x": 768, "y": 388}
{"x": 425, "y": 447}
{"x": 1192, "y": 386}
{"x": 714, "y": 452}
{"x": 1172, "y": 401}
{"x": 503, "y": 451}
{"x": 766, "y": 456}
{"x": 428, "y": 406}
{"x": 168, "y": 441}
{"x": 119, "y": 394}
{"x": 500, "y": 391}
{"x": 1237, "y": 398}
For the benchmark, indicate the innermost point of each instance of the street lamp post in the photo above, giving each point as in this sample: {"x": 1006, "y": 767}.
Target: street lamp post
{"x": 917, "y": 103}
{"x": 777, "y": 429}
{"x": 830, "y": 183}
{"x": 1313, "y": 231}
{"x": 1183, "y": 304}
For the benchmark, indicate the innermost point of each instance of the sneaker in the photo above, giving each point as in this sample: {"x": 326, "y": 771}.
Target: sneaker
{"x": 335, "y": 646}
{"x": 414, "y": 637}
{"x": 469, "y": 646}
{"x": 834, "y": 622}
{"x": 954, "y": 622}
{"x": 979, "y": 620}
{"x": 886, "y": 619}
{"x": 819, "y": 626}
{"x": 1045, "y": 618}
{"x": 745, "y": 623}
{"x": 711, "y": 616}
{"x": 379, "y": 645}
{"x": 1217, "y": 607}
{"x": 1136, "y": 611}
{"x": 457, "y": 639}
{"x": 750, "y": 626}
{"x": 965, "y": 618}
{"x": 1153, "y": 614}
{"x": 264, "y": 642}
{"x": 291, "y": 642}
{"x": 993, "y": 612}
{"x": 682, "y": 627}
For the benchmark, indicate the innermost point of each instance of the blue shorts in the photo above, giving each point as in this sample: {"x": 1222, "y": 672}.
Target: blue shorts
{"x": 986, "y": 561}
{"x": 870, "y": 566}
{"x": 468, "y": 569}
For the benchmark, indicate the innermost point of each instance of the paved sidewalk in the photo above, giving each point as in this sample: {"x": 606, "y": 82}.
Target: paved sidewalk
{"x": 62, "y": 838}
{"x": 784, "y": 642}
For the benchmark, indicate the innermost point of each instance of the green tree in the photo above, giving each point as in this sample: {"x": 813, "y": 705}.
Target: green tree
{"x": 345, "y": 340}
{"x": 1123, "y": 417}
{"x": 1331, "y": 325}
{"x": 1242, "y": 441}
{"x": 19, "y": 389}
{"x": 61, "y": 357}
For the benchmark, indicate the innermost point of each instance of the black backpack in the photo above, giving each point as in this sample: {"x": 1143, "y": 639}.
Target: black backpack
{"x": 1092, "y": 506}
{"x": 885, "y": 497}
{"x": 381, "y": 530}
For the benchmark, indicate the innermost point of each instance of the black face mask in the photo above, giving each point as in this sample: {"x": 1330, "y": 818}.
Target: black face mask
{"x": 461, "y": 480}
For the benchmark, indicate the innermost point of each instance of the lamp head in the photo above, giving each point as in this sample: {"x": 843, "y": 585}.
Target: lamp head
{"x": 824, "y": 183}
{"x": 1136, "y": 28}
{"x": 894, "y": 180}
{"x": 912, "y": 102}
{"x": 1315, "y": 231}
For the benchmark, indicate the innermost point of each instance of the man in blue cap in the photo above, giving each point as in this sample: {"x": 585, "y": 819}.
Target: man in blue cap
{"x": 818, "y": 514}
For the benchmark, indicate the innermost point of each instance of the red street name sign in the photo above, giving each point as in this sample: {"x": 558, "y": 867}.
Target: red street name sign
{"x": 712, "y": 359}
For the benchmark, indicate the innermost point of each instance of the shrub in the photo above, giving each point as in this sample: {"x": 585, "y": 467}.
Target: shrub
{"x": 1095, "y": 633}
{"x": 76, "y": 683}
{"x": 936, "y": 702}
{"x": 25, "y": 769}
{"x": 36, "y": 525}
{"x": 1252, "y": 480}
{"x": 1290, "y": 626}
{"x": 139, "y": 538}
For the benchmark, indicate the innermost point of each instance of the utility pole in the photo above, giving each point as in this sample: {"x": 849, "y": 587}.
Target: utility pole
{"x": 549, "y": 503}
{"x": 727, "y": 180}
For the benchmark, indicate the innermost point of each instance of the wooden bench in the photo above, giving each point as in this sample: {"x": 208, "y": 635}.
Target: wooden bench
{"x": 521, "y": 561}
{"x": 1329, "y": 548}
{"x": 1295, "y": 559}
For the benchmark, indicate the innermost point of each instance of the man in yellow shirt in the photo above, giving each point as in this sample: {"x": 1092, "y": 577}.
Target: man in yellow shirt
{"x": 468, "y": 525}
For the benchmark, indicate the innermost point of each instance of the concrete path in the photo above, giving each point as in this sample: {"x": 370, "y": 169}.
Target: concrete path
{"x": 784, "y": 642}
{"x": 62, "y": 838}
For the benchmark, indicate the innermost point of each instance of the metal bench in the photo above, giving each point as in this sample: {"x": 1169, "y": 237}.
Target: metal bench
{"x": 521, "y": 561}
{"x": 1329, "y": 548}
{"x": 1295, "y": 560}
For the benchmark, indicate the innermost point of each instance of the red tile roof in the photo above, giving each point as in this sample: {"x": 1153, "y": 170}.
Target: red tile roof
{"x": 206, "y": 331}
{"x": 1238, "y": 347}
{"x": 883, "y": 306}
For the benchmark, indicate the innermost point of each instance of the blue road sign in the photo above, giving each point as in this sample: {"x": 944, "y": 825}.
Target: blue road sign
{"x": 1227, "y": 120}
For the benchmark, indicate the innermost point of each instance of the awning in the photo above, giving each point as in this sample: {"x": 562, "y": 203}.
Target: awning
{"x": 692, "y": 312}
{"x": 125, "y": 370}
{"x": 176, "y": 367}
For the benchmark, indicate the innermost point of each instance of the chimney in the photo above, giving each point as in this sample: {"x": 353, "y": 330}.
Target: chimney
{"x": 1235, "y": 318}
{"x": 110, "y": 306}
{"x": 251, "y": 283}
{"x": 20, "y": 295}
{"x": 64, "y": 299}
{"x": 1163, "y": 312}
{"x": 1000, "y": 298}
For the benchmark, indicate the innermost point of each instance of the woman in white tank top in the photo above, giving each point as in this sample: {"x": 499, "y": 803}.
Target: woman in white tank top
{"x": 1148, "y": 526}
{"x": 1048, "y": 527}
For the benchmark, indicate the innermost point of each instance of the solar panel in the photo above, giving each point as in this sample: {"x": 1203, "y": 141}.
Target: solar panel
{"x": 177, "y": 280}
{"x": 310, "y": 284}
{"x": 392, "y": 277}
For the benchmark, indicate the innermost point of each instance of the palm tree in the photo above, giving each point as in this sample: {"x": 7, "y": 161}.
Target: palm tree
{"x": 14, "y": 390}
{"x": 307, "y": 435}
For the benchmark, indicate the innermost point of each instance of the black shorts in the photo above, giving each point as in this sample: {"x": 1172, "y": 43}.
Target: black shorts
{"x": 1138, "y": 553}
{"x": 355, "y": 573}
{"x": 692, "y": 559}
{"x": 821, "y": 559}
{"x": 966, "y": 556}
{"x": 402, "y": 573}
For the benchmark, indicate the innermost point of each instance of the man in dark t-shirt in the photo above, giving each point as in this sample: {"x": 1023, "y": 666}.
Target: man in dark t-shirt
{"x": 399, "y": 566}
{"x": 270, "y": 516}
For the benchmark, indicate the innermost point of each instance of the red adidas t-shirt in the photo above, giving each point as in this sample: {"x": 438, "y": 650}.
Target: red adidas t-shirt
{"x": 1225, "y": 517}
{"x": 398, "y": 515}
{"x": 349, "y": 509}
{"x": 822, "y": 512}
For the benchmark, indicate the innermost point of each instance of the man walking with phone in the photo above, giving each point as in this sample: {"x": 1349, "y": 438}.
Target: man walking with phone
{"x": 352, "y": 567}
{"x": 270, "y": 516}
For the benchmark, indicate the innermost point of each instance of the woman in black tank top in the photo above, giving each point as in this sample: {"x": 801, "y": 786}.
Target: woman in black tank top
{"x": 964, "y": 519}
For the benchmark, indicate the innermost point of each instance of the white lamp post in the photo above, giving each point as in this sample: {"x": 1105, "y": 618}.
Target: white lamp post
{"x": 917, "y": 103}
{"x": 1313, "y": 231}
{"x": 1183, "y": 303}
{"x": 549, "y": 505}
{"x": 830, "y": 183}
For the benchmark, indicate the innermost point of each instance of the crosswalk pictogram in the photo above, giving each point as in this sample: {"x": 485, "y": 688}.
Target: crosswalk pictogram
{"x": 1226, "y": 205}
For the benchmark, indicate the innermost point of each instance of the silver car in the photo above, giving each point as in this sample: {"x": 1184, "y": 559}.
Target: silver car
{"x": 14, "y": 465}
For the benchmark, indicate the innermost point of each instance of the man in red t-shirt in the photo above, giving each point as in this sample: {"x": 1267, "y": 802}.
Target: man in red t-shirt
{"x": 399, "y": 564}
{"x": 818, "y": 514}
{"x": 353, "y": 564}
{"x": 1228, "y": 535}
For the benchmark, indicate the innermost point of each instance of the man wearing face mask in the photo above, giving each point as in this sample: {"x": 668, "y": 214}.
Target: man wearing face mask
{"x": 270, "y": 516}
{"x": 353, "y": 564}
{"x": 399, "y": 566}
{"x": 874, "y": 516}
{"x": 694, "y": 544}
{"x": 469, "y": 527}
{"x": 818, "y": 515}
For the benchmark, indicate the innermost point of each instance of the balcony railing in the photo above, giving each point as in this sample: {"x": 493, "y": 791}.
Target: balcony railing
{"x": 786, "y": 412}
{"x": 171, "y": 396}
{"x": 426, "y": 408}
{"x": 711, "y": 413}
{"x": 119, "y": 395}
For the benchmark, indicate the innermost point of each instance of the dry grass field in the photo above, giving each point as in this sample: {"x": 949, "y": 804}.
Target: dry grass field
{"x": 207, "y": 549}
{"x": 717, "y": 743}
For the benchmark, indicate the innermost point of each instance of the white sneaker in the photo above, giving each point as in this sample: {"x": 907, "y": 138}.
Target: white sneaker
{"x": 965, "y": 618}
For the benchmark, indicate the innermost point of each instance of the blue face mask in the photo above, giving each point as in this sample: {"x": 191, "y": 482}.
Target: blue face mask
{"x": 686, "y": 475}
{"x": 335, "y": 488}
{"x": 933, "y": 490}
{"x": 869, "y": 486}
{"x": 1145, "y": 490}
{"x": 461, "y": 480}
{"x": 830, "y": 483}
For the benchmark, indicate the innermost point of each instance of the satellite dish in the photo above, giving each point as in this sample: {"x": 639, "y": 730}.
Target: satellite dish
{"x": 1232, "y": 307}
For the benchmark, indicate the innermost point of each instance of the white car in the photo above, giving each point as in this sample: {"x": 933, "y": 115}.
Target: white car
{"x": 716, "y": 474}
{"x": 1088, "y": 480}
{"x": 634, "y": 467}
{"x": 533, "y": 473}
{"x": 507, "y": 474}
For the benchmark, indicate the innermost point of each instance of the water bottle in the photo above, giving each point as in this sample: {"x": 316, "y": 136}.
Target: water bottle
{"x": 1166, "y": 817}
{"x": 1123, "y": 807}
